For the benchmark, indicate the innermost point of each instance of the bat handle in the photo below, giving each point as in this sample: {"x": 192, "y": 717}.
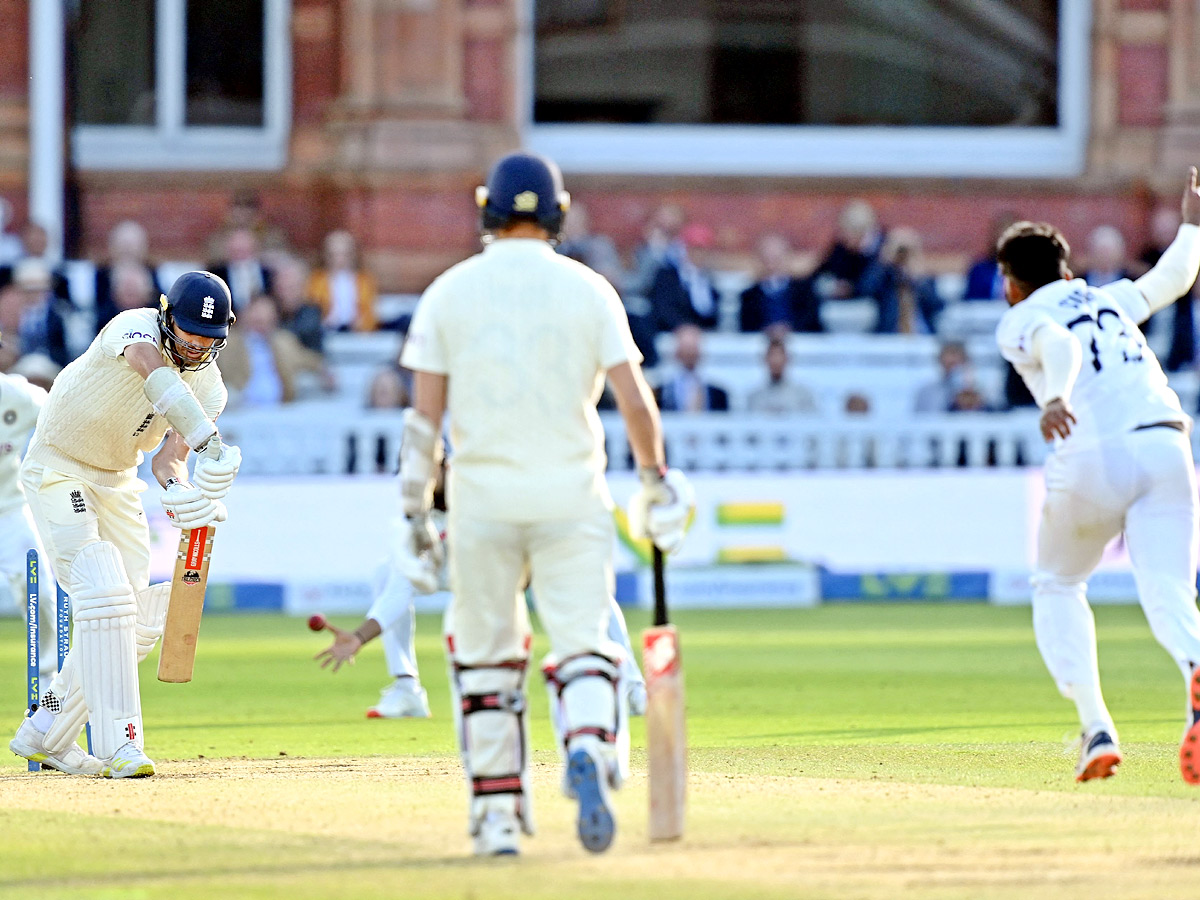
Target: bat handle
{"x": 660, "y": 588}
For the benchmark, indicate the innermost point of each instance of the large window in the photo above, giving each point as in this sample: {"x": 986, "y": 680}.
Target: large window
{"x": 180, "y": 84}
{"x": 823, "y": 87}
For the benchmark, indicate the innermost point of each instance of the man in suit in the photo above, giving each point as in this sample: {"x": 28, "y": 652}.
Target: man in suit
{"x": 242, "y": 268}
{"x": 779, "y": 298}
{"x": 685, "y": 390}
{"x": 682, "y": 292}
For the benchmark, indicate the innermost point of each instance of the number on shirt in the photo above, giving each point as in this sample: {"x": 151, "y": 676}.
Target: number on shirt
{"x": 1114, "y": 341}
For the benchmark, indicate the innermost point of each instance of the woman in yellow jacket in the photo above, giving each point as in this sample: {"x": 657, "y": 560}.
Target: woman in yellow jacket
{"x": 345, "y": 293}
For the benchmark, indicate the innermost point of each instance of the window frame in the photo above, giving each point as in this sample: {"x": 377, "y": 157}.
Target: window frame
{"x": 170, "y": 144}
{"x": 829, "y": 151}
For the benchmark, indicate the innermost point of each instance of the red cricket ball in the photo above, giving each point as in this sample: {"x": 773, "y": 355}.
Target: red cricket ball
{"x": 316, "y": 622}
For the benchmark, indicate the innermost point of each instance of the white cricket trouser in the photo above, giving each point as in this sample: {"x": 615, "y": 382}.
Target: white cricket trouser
{"x": 569, "y": 563}
{"x": 1142, "y": 483}
{"x": 392, "y": 608}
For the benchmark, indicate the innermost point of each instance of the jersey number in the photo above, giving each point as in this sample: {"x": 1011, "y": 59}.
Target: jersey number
{"x": 1110, "y": 341}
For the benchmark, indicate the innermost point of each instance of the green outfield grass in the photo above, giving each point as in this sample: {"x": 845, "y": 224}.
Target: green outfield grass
{"x": 925, "y": 740}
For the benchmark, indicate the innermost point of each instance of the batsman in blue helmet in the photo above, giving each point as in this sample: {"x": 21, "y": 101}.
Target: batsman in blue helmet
{"x": 146, "y": 383}
{"x": 514, "y": 345}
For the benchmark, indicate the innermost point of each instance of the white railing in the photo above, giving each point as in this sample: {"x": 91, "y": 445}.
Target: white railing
{"x": 326, "y": 438}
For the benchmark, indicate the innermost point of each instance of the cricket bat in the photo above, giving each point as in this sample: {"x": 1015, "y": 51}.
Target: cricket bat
{"x": 666, "y": 744}
{"x": 186, "y": 604}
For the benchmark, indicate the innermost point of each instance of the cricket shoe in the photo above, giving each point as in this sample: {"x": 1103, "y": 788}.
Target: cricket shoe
{"x": 130, "y": 761}
{"x": 404, "y": 698}
{"x": 499, "y": 835}
{"x": 1099, "y": 755}
{"x": 590, "y": 787}
{"x": 1189, "y": 750}
{"x": 635, "y": 697}
{"x": 29, "y": 743}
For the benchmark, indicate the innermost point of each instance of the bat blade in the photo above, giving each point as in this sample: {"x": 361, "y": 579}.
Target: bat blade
{"x": 666, "y": 734}
{"x": 188, "y": 585}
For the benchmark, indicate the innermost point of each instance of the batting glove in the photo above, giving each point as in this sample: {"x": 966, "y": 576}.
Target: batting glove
{"x": 661, "y": 507}
{"x": 187, "y": 507}
{"x": 214, "y": 476}
{"x": 420, "y": 553}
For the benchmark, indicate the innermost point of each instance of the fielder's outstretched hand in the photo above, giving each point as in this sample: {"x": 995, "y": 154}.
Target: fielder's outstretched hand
{"x": 1191, "y": 199}
{"x": 345, "y": 645}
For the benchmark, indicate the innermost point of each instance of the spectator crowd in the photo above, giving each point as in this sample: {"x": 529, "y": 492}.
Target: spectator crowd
{"x": 676, "y": 281}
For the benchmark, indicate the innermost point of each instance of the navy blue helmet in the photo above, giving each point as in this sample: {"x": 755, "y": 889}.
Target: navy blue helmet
{"x": 523, "y": 187}
{"x": 199, "y": 303}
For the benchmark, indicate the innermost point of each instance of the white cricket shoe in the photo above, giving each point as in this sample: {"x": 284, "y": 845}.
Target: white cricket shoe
{"x": 635, "y": 696}
{"x": 499, "y": 835}
{"x": 404, "y": 698}
{"x": 29, "y": 743}
{"x": 130, "y": 761}
{"x": 1099, "y": 755}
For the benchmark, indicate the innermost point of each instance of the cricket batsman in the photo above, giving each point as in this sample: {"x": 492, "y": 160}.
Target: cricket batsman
{"x": 515, "y": 343}
{"x": 147, "y": 380}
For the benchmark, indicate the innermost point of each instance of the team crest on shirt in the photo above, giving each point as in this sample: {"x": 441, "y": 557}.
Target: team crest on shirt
{"x": 10, "y": 416}
{"x": 525, "y": 202}
{"x": 206, "y": 311}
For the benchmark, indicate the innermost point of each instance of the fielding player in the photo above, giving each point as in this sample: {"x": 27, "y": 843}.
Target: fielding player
{"x": 515, "y": 342}
{"x": 1122, "y": 461}
{"x": 145, "y": 372}
{"x": 20, "y": 403}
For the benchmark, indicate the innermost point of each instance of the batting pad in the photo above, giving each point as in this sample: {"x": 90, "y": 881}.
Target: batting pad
{"x": 106, "y": 647}
{"x": 493, "y": 732}
{"x": 589, "y": 708}
{"x": 151, "y": 616}
{"x": 65, "y": 700}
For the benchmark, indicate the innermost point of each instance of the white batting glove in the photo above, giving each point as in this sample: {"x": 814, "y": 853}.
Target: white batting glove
{"x": 214, "y": 476}
{"x": 661, "y": 507}
{"x": 420, "y": 553}
{"x": 187, "y": 507}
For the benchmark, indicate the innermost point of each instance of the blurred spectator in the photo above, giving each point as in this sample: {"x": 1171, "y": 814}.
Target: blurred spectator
{"x": 297, "y": 312}
{"x": 43, "y": 315}
{"x": 984, "y": 281}
{"x": 660, "y": 244}
{"x": 1181, "y": 353}
{"x": 684, "y": 390}
{"x": 1106, "y": 256}
{"x": 245, "y": 211}
{"x": 36, "y": 244}
{"x": 128, "y": 245}
{"x": 969, "y": 398}
{"x": 12, "y": 305}
{"x": 596, "y": 251}
{"x": 130, "y": 285}
{"x": 780, "y": 396}
{"x": 936, "y": 396}
{"x": 388, "y": 389}
{"x": 344, "y": 292}
{"x": 779, "y": 297}
{"x": 261, "y": 362}
{"x": 857, "y": 404}
{"x": 858, "y": 242}
{"x": 37, "y": 369}
{"x": 683, "y": 292}
{"x": 902, "y": 287}
{"x": 242, "y": 268}
{"x": 11, "y": 248}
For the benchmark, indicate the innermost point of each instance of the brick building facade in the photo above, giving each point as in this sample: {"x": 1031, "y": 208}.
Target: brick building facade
{"x": 398, "y": 105}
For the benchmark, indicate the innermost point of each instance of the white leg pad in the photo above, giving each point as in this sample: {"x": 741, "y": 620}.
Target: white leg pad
{"x": 619, "y": 634}
{"x": 589, "y": 708}
{"x": 105, "y": 638}
{"x": 493, "y": 732}
{"x": 65, "y": 700}
{"x": 151, "y": 616}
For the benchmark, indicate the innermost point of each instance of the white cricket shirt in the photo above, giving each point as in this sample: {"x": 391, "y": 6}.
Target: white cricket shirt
{"x": 1121, "y": 384}
{"x": 97, "y": 421}
{"x": 19, "y": 405}
{"x": 524, "y": 336}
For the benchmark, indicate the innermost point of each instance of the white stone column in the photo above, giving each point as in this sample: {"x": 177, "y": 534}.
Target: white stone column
{"x": 47, "y": 49}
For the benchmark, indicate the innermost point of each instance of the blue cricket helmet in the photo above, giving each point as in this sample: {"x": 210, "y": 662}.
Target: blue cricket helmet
{"x": 523, "y": 187}
{"x": 199, "y": 303}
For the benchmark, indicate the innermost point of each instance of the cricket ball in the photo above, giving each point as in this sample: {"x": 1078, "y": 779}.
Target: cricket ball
{"x": 316, "y": 623}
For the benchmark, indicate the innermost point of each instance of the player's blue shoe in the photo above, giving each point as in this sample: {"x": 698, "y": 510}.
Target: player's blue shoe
{"x": 596, "y": 826}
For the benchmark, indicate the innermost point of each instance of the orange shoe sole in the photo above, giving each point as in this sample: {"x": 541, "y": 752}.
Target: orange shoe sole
{"x": 1189, "y": 750}
{"x": 1103, "y": 766}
